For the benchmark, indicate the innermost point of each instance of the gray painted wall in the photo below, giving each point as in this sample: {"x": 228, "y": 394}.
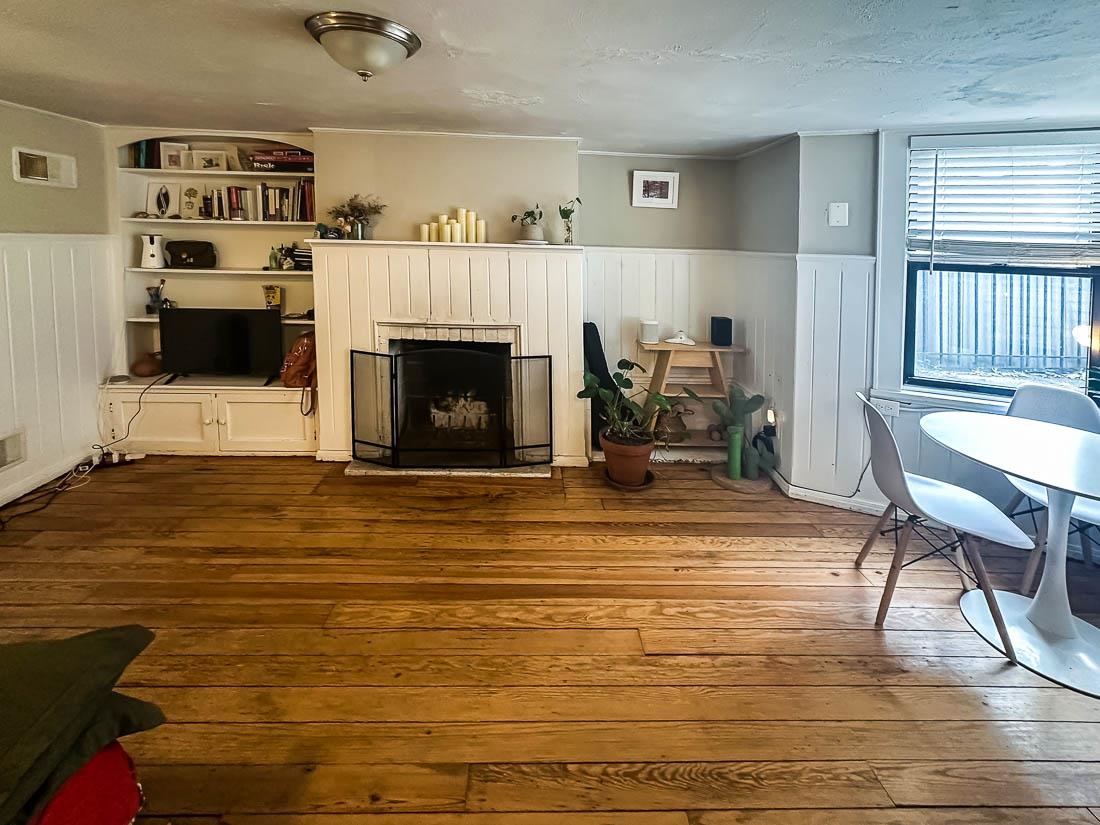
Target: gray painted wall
{"x": 704, "y": 218}
{"x": 837, "y": 168}
{"x": 764, "y": 200}
{"x": 29, "y": 208}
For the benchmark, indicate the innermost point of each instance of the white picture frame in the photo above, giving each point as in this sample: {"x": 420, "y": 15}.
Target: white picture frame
{"x": 173, "y": 156}
{"x": 655, "y": 190}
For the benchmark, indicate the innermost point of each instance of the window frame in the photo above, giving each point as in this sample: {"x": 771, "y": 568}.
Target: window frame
{"x": 914, "y": 265}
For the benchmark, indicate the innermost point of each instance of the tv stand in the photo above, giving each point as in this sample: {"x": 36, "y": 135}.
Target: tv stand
{"x": 209, "y": 415}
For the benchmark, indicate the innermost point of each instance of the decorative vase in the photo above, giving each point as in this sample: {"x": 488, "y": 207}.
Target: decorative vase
{"x": 531, "y": 232}
{"x": 568, "y": 241}
{"x": 156, "y": 297}
{"x": 362, "y": 231}
{"x": 734, "y": 436}
{"x": 627, "y": 464}
{"x": 152, "y": 252}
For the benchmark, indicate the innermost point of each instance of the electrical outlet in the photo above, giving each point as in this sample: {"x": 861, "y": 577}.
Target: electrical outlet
{"x": 890, "y": 409}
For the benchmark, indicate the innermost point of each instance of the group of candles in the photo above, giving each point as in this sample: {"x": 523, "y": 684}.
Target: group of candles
{"x": 465, "y": 227}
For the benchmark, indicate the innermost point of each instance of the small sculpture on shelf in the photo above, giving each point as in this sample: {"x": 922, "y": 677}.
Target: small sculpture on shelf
{"x": 354, "y": 216}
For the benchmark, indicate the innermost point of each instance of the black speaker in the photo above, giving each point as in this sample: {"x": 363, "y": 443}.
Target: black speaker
{"x": 721, "y": 331}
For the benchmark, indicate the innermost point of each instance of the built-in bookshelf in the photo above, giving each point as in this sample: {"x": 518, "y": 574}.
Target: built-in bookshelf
{"x": 243, "y": 245}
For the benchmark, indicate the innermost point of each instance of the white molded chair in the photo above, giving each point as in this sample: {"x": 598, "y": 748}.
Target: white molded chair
{"x": 1070, "y": 409}
{"x": 966, "y": 514}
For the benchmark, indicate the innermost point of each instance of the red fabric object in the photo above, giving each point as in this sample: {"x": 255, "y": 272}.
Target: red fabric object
{"x": 104, "y": 792}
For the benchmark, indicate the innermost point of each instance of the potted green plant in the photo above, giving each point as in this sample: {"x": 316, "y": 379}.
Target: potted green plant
{"x": 530, "y": 226}
{"x": 733, "y": 413}
{"x": 566, "y": 211}
{"x": 627, "y": 439}
{"x": 357, "y": 215}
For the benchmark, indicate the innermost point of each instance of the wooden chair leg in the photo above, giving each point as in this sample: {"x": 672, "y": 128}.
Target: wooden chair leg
{"x": 960, "y": 560}
{"x": 980, "y": 573}
{"x": 895, "y": 571}
{"x": 867, "y": 545}
{"x": 1033, "y": 560}
{"x": 1086, "y": 541}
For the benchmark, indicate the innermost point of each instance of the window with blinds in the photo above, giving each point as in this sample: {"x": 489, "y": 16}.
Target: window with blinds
{"x": 1003, "y": 274}
{"x": 1005, "y": 204}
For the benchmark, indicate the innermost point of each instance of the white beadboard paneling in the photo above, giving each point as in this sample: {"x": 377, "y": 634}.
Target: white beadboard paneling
{"x": 681, "y": 289}
{"x": 364, "y": 289}
{"x": 835, "y": 309}
{"x": 57, "y": 336}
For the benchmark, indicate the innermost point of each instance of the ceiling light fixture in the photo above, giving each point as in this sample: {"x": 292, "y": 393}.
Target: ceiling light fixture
{"x": 363, "y": 43}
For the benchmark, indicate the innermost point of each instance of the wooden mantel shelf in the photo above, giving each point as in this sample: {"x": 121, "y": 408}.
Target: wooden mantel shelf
{"x": 519, "y": 247}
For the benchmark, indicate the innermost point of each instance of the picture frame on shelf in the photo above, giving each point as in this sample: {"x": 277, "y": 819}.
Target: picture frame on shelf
{"x": 163, "y": 199}
{"x": 174, "y": 156}
{"x": 209, "y": 160}
{"x": 190, "y": 201}
{"x": 655, "y": 190}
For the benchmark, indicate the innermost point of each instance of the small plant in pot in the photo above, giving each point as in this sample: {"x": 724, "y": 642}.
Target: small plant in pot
{"x": 530, "y": 224}
{"x": 627, "y": 440}
{"x": 734, "y": 415}
{"x": 357, "y": 216}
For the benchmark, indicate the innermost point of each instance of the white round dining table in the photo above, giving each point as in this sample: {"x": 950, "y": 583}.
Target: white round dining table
{"x": 1048, "y": 639}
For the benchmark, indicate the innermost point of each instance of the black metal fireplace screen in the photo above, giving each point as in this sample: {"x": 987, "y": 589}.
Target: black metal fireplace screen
{"x": 451, "y": 404}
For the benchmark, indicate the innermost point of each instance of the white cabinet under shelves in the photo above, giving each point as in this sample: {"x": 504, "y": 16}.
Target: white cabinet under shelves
{"x": 208, "y": 420}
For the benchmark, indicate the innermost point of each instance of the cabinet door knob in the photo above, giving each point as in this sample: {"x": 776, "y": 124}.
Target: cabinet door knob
{"x": 208, "y": 421}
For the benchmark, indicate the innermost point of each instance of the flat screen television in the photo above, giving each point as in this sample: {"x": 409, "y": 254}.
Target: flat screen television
{"x": 221, "y": 341}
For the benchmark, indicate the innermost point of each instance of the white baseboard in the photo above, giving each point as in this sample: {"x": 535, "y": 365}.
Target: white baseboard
{"x": 856, "y": 503}
{"x": 35, "y": 480}
{"x": 333, "y": 455}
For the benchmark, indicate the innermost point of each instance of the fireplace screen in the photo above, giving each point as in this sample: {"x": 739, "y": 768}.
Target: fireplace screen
{"x": 451, "y": 404}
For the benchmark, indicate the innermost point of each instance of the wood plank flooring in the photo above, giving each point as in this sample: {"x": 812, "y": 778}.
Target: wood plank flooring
{"x": 431, "y": 651}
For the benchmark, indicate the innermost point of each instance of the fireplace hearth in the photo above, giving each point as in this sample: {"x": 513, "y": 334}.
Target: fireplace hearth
{"x": 461, "y": 404}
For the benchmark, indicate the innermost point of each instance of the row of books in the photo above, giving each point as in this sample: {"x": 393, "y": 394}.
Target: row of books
{"x": 264, "y": 202}
{"x": 145, "y": 154}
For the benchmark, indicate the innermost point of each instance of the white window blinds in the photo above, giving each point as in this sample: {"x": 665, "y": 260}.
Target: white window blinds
{"x": 998, "y": 204}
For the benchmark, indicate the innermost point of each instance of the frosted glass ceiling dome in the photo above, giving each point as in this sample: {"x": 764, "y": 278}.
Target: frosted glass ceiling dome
{"x": 363, "y": 43}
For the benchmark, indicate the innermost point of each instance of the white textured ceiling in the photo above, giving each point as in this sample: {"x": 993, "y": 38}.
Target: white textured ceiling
{"x": 690, "y": 76}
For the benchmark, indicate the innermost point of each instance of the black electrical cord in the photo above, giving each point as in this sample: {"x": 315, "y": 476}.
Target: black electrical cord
{"x": 104, "y": 447}
{"x": 64, "y": 483}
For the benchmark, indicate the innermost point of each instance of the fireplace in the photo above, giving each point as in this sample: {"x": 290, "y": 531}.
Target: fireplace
{"x": 450, "y": 403}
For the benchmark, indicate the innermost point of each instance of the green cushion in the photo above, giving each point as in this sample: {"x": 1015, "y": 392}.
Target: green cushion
{"x": 51, "y": 693}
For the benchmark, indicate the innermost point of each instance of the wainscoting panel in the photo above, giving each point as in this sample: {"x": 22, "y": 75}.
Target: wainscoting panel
{"x": 835, "y": 307}
{"x": 681, "y": 289}
{"x": 58, "y": 332}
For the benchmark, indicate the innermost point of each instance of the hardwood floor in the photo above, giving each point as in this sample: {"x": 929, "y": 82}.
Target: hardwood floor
{"x": 335, "y": 651}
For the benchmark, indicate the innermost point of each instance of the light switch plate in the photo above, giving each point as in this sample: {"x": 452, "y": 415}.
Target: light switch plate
{"x": 838, "y": 214}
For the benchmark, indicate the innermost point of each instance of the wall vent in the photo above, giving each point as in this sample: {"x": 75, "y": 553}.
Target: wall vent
{"x": 13, "y": 448}
{"x": 43, "y": 168}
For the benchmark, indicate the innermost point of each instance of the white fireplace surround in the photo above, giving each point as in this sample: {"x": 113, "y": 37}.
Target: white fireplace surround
{"x": 369, "y": 293}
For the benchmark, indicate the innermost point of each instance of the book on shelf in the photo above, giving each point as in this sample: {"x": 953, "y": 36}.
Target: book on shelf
{"x": 264, "y": 202}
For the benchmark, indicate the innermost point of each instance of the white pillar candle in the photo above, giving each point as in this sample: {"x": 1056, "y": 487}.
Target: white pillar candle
{"x": 445, "y": 232}
{"x": 433, "y": 232}
{"x": 480, "y": 229}
{"x": 461, "y": 215}
{"x": 456, "y": 232}
{"x": 470, "y": 232}
{"x": 425, "y": 235}
{"x": 443, "y": 219}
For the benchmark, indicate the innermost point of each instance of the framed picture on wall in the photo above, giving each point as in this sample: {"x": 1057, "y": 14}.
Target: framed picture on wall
{"x": 658, "y": 190}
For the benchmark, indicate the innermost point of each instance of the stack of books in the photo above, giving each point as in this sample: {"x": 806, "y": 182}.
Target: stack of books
{"x": 264, "y": 202}
{"x": 287, "y": 160}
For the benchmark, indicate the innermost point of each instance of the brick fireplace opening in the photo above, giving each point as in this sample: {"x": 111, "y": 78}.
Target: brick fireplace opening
{"x": 445, "y": 403}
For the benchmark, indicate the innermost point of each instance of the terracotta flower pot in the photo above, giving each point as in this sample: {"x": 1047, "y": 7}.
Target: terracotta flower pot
{"x": 627, "y": 464}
